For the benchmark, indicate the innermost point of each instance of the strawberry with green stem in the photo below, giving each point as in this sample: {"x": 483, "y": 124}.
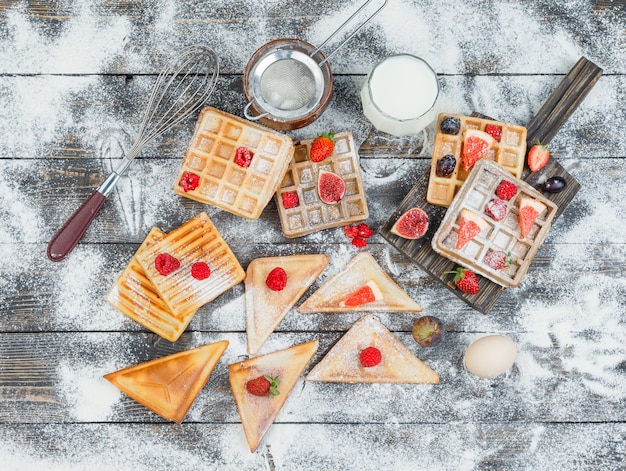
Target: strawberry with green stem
{"x": 322, "y": 147}
{"x": 466, "y": 280}
{"x": 264, "y": 386}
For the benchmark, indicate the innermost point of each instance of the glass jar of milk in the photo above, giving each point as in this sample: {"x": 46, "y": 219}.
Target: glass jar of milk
{"x": 400, "y": 94}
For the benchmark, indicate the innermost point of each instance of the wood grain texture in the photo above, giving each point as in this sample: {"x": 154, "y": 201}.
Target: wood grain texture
{"x": 553, "y": 114}
{"x": 74, "y": 78}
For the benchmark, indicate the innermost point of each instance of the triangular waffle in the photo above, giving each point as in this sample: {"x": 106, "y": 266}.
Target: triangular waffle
{"x": 357, "y": 273}
{"x": 195, "y": 241}
{"x": 169, "y": 385}
{"x": 398, "y": 365}
{"x": 258, "y": 412}
{"x": 266, "y": 308}
{"x": 134, "y": 295}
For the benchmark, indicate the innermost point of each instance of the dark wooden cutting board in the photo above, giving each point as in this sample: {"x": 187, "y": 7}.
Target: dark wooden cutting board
{"x": 553, "y": 114}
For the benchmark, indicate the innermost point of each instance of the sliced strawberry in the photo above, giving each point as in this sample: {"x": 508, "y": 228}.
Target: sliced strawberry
{"x": 538, "y": 157}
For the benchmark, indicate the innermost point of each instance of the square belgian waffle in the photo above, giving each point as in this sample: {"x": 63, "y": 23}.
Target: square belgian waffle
{"x": 503, "y": 236}
{"x": 244, "y": 191}
{"x": 509, "y": 152}
{"x": 312, "y": 214}
{"x": 195, "y": 241}
{"x": 134, "y": 295}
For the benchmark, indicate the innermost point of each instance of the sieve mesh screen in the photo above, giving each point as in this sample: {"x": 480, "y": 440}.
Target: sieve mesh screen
{"x": 287, "y": 84}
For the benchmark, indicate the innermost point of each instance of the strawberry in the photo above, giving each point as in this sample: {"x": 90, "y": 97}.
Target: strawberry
{"x": 322, "y": 147}
{"x": 264, "y": 386}
{"x": 189, "y": 181}
{"x": 200, "y": 271}
{"x": 506, "y": 190}
{"x": 290, "y": 200}
{"x": 538, "y": 157}
{"x": 466, "y": 280}
{"x": 370, "y": 356}
{"x": 243, "y": 157}
{"x": 166, "y": 264}
{"x": 276, "y": 279}
{"x": 498, "y": 260}
{"x": 494, "y": 131}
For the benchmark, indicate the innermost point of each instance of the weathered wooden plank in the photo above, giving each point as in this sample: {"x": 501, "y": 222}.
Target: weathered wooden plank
{"x": 312, "y": 446}
{"x": 98, "y": 116}
{"x": 131, "y": 37}
{"x": 39, "y": 295}
{"x": 39, "y": 197}
{"x": 557, "y": 109}
{"x": 57, "y": 377}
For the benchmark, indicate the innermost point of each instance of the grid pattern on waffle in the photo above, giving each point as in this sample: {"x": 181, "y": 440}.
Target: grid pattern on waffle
{"x": 134, "y": 295}
{"x": 195, "y": 241}
{"x": 312, "y": 214}
{"x": 502, "y": 235}
{"x": 223, "y": 183}
{"x": 510, "y": 153}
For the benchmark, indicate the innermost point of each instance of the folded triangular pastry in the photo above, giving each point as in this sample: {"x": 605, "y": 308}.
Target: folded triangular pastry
{"x": 266, "y": 307}
{"x": 169, "y": 385}
{"x": 362, "y": 275}
{"x": 134, "y": 295}
{"x": 170, "y": 265}
{"x": 284, "y": 367}
{"x": 343, "y": 364}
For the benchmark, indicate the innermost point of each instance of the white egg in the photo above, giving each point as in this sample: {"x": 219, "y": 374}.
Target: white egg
{"x": 490, "y": 356}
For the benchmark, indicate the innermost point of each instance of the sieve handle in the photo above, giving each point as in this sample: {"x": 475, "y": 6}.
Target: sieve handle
{"x": 252, "y": 117}
{"x": 345, "y": 23}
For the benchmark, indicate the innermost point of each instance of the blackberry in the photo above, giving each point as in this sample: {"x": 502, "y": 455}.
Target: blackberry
{"x": 445, "y": 165}
{"x": 450, "y": 125}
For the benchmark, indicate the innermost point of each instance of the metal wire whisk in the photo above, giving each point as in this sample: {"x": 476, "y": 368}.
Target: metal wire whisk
{"x": 180, "y": 90}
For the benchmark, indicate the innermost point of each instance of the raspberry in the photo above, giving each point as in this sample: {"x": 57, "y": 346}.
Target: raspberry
{"x": 365, "y": 231}
{"x": 494, "y": 131}
{"x": 243, "y": 157}
{"x": 359, "y": 242}
{"x": 166, "y": 264}
{"x": 200, "y": 271}
{"x": 351, "y": 231}
{"x": 290, "y": 200}
{"x": 496, "y": 209}
{"x": 276, "y": 279}
{"x": 189, "y": 181}
{"x": 506, "y": 190}
{"x": 370, "y": 356}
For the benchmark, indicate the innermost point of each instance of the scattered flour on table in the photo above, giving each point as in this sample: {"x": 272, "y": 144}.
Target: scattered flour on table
{"x": 591, "y": 346}
{"x": 430, "y": 30}
{"x": 80, "y": 301}
{"x": 89, "y": 397}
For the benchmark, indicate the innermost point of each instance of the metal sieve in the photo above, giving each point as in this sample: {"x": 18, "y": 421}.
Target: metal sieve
{"x": 288, "y": 82}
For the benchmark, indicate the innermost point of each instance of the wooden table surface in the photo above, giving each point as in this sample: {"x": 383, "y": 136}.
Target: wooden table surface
{"x": 74, "y": 79}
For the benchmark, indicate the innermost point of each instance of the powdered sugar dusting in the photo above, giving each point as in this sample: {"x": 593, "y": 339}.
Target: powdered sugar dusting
{"x": 88, "y": 395}
{"x": 571, "y": 345}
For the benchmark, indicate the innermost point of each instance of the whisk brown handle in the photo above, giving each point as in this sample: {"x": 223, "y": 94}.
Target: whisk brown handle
{"x": 73, "y": 230}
